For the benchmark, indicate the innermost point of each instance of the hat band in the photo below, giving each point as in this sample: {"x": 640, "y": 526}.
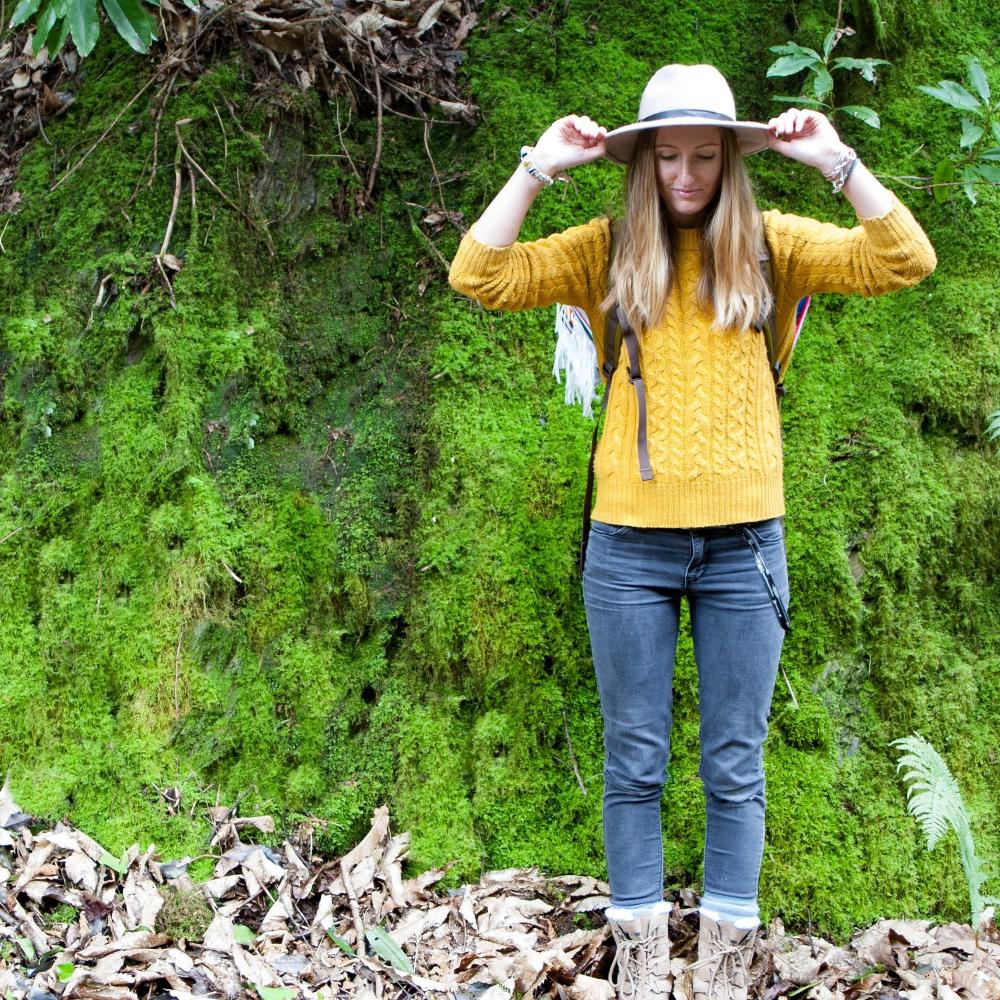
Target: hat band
{"x": 687, "y": 113}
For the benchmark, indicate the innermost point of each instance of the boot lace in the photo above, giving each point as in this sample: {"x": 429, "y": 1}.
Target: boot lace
{"x": 729, "y": 960}
{"x": 630, "y": 966}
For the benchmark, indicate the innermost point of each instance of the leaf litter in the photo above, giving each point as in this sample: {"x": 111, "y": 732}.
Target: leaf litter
{"x": 286, "y": 924}
{"x": 380, "y": 57}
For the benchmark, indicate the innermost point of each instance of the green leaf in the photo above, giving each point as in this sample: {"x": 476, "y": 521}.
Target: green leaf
{"x": 243, "y": 935}
{"x": 387, "y": 949}
{"x": 132, "y": 22}
{"x": 43, "y": 25}
{"x": 988, "y": 171}
{"x": 791, "y": 49}
{"x": 276, "y": 992}
{"x": 23, "y": 11}
{"x": 954, "y": 95}
{"x": 971, "y": 133}
{"x": 27, "y": 947}
{"x": 65, "y": 971}
{"x": 944, "y": 173}
{"x": 969, "y": 174}
{"x": 996, "y": 130}
{"x": 978, "y": 79}
{"x": 866, "y": 67}
{"x": 340, "y": 943}
{"x": 991, "y": 154}
{"x": 807, "y": 102}
{"x": 84, "y": 25}
{"x": 823, "y": 83}
{"x": 57, "y": 37}
{"x": 829, "y": 42}
{"x": 790, "y": 65}
{"x": 109, "y": 861}
{"x": 862, "y": 113}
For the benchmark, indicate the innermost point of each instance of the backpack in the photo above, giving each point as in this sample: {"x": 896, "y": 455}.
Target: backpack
{"x": 617, "y": 332}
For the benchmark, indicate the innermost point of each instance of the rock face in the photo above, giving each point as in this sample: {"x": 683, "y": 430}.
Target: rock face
{"x": 282, "y": 517}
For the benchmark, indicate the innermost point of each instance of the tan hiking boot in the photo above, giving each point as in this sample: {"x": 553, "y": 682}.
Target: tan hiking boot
{"x": 725, "y": 952}
{"x": 640, "y": 969}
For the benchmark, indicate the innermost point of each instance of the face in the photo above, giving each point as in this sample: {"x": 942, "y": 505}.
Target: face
{"x": 688, "y": 170}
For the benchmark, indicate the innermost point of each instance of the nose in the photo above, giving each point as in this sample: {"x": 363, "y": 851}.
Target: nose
{"x": 686, "y": 175}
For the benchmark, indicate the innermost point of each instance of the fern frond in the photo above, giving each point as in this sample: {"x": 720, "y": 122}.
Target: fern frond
{"x": 934, "y": 800}
{"x": 993, "y": 428}
{"x": 932, "y": 795}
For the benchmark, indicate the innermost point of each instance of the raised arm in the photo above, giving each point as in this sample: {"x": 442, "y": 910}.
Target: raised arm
{"x": 495, "y": 270}
{"x": 810, "y": 138}
{"x": 887, "y": 250}
{"x": 565, "y": 144}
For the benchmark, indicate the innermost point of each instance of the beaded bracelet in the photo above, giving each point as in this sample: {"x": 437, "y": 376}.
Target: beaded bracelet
{"x": 847, "y": 160}
{"x": 536, "y": 171}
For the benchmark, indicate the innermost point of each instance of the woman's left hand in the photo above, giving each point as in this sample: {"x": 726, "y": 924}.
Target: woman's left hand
{"x": 806, "y": 136}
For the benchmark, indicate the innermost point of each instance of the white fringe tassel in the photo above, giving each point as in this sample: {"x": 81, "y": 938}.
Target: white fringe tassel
{"x": 576, "y": 355}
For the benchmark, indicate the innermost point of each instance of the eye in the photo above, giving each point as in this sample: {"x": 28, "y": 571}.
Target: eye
{"x": 708, "y": 158}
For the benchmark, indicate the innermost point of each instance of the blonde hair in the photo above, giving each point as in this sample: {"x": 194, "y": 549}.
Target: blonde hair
{"x": 641, "y": 273}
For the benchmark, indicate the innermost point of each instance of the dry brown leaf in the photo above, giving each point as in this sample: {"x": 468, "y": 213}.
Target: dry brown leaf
{"x": 430, "y": 17}
{"x": 254, "y": 969}
{"x": 925, "y": 991}
{"x": 416, "y": 923}
{"x": 37, "y": 860}
{"x": 81, "y": 870}
{"x": 373, "y": 839}
{"x": 101, "y": 946}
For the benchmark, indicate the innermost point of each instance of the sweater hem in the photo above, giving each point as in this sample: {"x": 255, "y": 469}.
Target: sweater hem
{"x": 671, "y": 504}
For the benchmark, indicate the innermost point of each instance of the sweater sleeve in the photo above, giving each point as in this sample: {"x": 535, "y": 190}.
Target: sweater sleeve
{"x": 569, "y": 267}
{"x": 879, "y": 255}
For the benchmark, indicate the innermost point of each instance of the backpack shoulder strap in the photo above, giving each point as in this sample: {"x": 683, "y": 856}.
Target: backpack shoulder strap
{"x": 770, "y": 326}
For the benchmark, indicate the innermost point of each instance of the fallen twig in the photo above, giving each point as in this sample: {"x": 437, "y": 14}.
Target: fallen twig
{"x": 572, "y": 756}
{"x": 192, "y": 162}
{"x": 430, "y": 156}
{"x": 11, "y": 534}
{"x": 76, "y": 166}
{"x": 373, "y": 170}
{"x": 352, "y": 899}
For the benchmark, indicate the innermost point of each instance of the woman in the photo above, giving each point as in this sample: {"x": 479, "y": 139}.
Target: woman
{"x": 689, "y": 468}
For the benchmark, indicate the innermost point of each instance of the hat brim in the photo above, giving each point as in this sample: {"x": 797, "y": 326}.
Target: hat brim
{"x": 619, "y": 144}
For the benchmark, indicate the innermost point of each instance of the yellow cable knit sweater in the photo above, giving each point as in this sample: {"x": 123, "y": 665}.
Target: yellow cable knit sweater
{"x": 713, "y": 424}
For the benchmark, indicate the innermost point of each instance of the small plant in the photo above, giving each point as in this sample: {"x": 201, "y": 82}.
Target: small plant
{"x": 980, "y": 136}
{"x": 993, "y": 427}
{"x": 185, "y": 914}
{"x": 795, "y": 58}
{"x": 57, "y": 20}
{"x": 933, "y": 799}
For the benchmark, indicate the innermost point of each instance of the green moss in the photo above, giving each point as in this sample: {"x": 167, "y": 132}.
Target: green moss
{"x": 307, "y": 540}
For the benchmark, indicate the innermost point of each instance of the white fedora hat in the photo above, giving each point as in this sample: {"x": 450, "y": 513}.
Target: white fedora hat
{"x": 686, "y": 95}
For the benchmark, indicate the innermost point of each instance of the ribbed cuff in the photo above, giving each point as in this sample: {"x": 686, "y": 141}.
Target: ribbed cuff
{"x": 895, "y": 227}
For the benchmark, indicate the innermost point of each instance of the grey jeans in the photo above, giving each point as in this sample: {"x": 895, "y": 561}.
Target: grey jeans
{"x": 633, "y": 584}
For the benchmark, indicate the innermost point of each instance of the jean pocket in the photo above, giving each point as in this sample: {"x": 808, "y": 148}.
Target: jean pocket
{"x": 609, "y": 530}
{"x": 768, "y": 532}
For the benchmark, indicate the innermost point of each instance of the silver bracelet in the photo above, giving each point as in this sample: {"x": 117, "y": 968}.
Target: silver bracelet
{"x": 847, "y": 160}
{"x": 529, "y": 164}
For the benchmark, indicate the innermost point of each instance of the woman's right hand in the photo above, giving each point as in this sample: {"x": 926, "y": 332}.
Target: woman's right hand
{"x": 568, "y": 142}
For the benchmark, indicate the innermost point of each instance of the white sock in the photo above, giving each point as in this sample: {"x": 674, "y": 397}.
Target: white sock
{"x": 621, "y": 913}
{"x": 743, "y": 916}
